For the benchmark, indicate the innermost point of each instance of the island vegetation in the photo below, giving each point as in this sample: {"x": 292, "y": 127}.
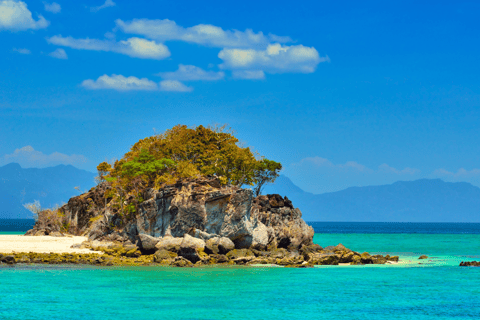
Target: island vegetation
{"x": 183, "y": 152}
{"x": 179, "y": 198}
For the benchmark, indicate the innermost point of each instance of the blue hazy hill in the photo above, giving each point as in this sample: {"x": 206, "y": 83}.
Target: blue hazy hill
{"x": 50, "y": 186}
{"x": 425, "y": 200}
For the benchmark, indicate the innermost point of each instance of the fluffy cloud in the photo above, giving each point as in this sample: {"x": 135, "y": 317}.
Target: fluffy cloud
{"x": 28, "y": 157}
{"x": 121, "y": 83}
{"x": 276, "y": 58}
{"x": 59, "y": 54}
{"x": 204, "y": 34}
{"x": 133, "y": 47}
{"x": 52, "y": 7}
{"x": 107, "y": 4}
{"x": 248, "y": 74}
{"x": 174, "y": 86}
{"x": 15, "y": 16}
{"x": 22, "y": 50}
{"x": 192, "y": 73}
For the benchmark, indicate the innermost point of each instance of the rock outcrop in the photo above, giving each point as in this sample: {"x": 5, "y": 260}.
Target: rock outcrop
{"x": 470, "y": 264}
{"x": 193, "y": 222}
{"x": 200, "y": 207}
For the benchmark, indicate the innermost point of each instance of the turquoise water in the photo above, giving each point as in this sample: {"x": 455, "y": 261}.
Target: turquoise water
{"x": 436, "y": 289}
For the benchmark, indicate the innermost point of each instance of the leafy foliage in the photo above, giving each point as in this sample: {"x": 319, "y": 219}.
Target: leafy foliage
{"x": 183, "y": 152}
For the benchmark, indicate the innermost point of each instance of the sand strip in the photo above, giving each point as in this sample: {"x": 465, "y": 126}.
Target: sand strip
{"x": 41, "y": 244}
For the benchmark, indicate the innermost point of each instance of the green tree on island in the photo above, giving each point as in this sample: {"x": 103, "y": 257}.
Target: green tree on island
{"x": 183, "y": 152}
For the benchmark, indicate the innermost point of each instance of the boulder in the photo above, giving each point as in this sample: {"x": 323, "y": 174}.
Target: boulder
{"x": 470, "y": 264}
{"x": 169, "y": 244}
{"x": 148, "y": 242}
{"x": 192, "y": 248}
{"x": 219, "y": 245}
{"x": 423, "y": 257}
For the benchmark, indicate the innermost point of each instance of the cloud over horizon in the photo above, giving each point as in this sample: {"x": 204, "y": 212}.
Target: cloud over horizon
{"x": 28, "y": 157}
{"x": 319, "y": 175}
{"x": 15, "y": 16}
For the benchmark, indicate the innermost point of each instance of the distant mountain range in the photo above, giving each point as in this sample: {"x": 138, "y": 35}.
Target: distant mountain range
{"x": 50, "y": 186}
{"x": 425, "y": 200}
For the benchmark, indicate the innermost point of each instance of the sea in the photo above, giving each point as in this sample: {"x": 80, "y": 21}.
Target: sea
{"x": 434, "y": 288}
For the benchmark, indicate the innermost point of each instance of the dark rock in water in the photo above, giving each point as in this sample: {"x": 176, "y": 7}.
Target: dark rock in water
{"x": 8, "y": 259}
{"x": 423, "y": 257}
{"x": 470, "y": 264}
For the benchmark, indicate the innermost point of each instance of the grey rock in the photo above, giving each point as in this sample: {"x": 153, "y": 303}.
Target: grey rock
{"x": 169, "y": 244}
{"x": 200, "y": 207}
{"x": 219, "y": 245}
{"x": 148, "y": 242}
{"x": 191, "y": 248}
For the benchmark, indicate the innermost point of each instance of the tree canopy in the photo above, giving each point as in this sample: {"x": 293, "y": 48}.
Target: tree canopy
{"x": 183, "y": 152}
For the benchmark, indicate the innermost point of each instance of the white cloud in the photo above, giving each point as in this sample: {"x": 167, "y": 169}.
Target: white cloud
{"x": 174, "y": 86}
{"x": 28, "y": 157}
{"x": 52, "y": 7}
{"x": 108, "y": 3}
{"x": 59, "y": 54}
{"x": 203, "y": 34}
{"x": 192, "y": 73}
{"x": 120, "y": 83}
{"x": 276, "y": 58}
{"x": 22, "y": 50}
{"x": 15, "y": 16}
{"x": 248, "y": 74}
{"x": 133, "y": 47}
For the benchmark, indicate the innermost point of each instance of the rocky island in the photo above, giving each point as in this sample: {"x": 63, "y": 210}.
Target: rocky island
{"x": 178, "y": 199}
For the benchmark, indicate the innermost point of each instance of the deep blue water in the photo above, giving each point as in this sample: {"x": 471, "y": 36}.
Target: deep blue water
{"x": 436, "y": 288}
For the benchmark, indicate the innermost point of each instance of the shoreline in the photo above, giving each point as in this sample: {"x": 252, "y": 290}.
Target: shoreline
{"x": 42, "y": 244}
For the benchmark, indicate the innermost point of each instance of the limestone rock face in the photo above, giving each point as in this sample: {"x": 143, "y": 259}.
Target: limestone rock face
{"x": 198, "y": 207}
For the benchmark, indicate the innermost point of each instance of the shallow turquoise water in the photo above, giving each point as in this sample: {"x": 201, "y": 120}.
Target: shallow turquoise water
{"x": 437, "y": 289}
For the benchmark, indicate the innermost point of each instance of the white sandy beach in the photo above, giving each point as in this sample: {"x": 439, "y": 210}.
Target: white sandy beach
{"x": 41, "y": 244}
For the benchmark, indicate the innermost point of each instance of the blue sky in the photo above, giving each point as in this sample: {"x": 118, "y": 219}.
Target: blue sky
{"x": 342, "y": 94}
